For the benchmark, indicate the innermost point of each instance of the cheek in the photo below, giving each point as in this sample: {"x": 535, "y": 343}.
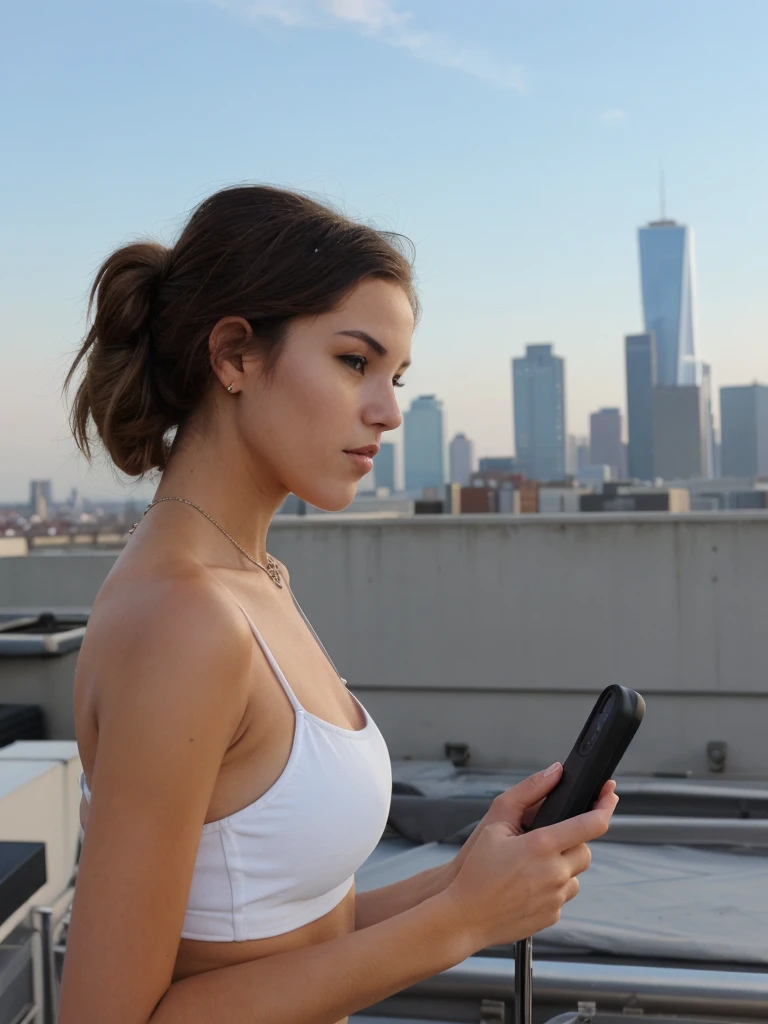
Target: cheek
{"x": 300, "y": 415}
{"x": 309, "y": 392}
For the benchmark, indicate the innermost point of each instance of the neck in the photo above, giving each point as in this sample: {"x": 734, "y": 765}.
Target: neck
{"x": 240, "y": 496}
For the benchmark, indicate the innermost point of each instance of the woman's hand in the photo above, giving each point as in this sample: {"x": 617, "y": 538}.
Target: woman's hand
{"x": 510, "y": 885}
{"x": 516, "y": 807}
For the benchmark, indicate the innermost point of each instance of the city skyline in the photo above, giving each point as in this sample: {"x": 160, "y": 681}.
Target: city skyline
{"x": 668, "y": 391}
{"x": 524, "y": 184}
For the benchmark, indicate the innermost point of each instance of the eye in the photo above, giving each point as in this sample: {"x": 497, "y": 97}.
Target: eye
{"x": 398, "y": 383}
{"x": 358, "y": 363}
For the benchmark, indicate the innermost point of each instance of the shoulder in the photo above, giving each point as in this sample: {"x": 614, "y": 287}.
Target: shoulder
{"x": 169, "y": 641}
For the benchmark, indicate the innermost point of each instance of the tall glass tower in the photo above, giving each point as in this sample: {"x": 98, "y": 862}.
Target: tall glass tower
{"x": 640, "y": 356}
{"x": 384, "y": 466}
{"x": 538, "y": 385}
{"x": 667, "y": 276}
{"x": 744, "y": 425}
{"x": 461, "y": 459}
{"x": 424, "y": 459}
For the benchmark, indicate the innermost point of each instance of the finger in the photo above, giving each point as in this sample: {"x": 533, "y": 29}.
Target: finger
{"x": 533, "y": 789}
{"x": 606, "y": 802}
{"x": 528, "y": 818}
{"x": 582, "y": 828}
{"x": 531, "y": 813}
{"x": 572, "y": 890}
{"x": 577, "y": 859}
{"x": 607, "y": 790}
{"x": 532, "y": 792}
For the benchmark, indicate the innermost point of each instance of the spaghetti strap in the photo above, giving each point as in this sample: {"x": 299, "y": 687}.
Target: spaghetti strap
{"x": 320, "y": 643}
{"x": 267, "y": 653}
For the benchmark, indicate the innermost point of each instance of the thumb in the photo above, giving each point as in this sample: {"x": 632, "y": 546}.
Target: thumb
{"x": 533, "y": 789}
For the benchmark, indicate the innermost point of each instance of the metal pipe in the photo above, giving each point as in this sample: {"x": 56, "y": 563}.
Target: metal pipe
{"x": 657, "y": 829}
{"x": 611, "y": 986}
{"x": 47, "y": 922}
{"x": 32, "y": 1017}
{"x": 44, "y": 921}
{"x": 523, "y": 977}
{"x": 692, "y": 788}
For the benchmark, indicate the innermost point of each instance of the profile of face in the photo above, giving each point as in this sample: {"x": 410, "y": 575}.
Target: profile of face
{"x": 331, "y": 394}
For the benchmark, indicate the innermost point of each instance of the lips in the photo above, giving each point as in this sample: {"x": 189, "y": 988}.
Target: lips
{"x": 370, "y": 450}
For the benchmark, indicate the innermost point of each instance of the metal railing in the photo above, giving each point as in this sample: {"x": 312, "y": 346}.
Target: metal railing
{"x": 50, "y": 922}
{"x": 616, "y": 987}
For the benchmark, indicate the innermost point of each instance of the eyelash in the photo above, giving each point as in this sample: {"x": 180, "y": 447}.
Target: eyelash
{"x": 350, "y": 360}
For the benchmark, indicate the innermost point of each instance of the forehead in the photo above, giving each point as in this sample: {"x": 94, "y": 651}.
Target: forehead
{"x": 379, "y": 307}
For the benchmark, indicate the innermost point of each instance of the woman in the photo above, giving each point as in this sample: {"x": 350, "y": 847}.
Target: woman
{"x": 232, "y": 785}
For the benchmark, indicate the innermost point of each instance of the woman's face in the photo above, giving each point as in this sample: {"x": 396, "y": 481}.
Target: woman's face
{"x": 332, "y": 393}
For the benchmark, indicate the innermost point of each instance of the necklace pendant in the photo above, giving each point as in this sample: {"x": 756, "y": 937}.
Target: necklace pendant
{"x": 273, "y": 572}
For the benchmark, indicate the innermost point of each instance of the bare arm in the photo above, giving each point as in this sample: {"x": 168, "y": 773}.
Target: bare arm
{"x": 379, "y": 904}
{"x": 328, "y": 981}
{"x": 173, "y": 667}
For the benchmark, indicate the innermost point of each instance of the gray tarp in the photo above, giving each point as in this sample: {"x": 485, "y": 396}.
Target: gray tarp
{"x": 667, "y": 901}
{"x": 670, "y": 902}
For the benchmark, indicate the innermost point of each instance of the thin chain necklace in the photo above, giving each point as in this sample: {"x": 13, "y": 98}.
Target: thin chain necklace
{"x": 271, "y": 568}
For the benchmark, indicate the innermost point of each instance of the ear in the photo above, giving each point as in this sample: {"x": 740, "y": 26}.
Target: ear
{"x": 226, "y": 342}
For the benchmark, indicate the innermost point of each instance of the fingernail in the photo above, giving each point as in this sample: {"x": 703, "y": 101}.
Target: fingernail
{"x": 551, "y": 770}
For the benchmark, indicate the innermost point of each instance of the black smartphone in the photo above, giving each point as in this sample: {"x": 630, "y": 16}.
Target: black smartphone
{"x": 601, "y": 744}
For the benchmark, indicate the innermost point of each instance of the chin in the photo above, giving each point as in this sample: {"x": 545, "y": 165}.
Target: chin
{"x": 328, "y": 498}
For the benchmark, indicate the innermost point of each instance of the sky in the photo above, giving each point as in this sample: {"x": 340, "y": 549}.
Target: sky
{"x": 517, "y": 144}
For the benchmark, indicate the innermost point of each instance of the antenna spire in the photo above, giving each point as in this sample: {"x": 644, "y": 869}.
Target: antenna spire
{"x": 662, "y": 192}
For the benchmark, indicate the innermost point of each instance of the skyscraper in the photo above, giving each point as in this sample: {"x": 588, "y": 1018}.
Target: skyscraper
{"x": 461, "y": 459}
{"x": 76, "y": 501}
{"x": 680, "y": 433}
{"x": 384, "y": 466}
{"x": 744, "y": 430}
{"x": 667, "y": 278}
{"x": 705, "y": 382}
{"x": 40, "y": 497}
{"x": 605, "y": 446}
{"x": 582, "y": 453}
{"x": 423, "y": 429}
{"x": 538, "y": 384}
{"x": 640, "y": 362}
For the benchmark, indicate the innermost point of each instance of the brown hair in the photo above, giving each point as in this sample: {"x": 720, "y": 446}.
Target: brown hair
{"x": 254, "y": 251}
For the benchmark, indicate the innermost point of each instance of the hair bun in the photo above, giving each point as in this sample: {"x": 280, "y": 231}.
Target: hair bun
{"x": 128, "y": 411}
{"x": 125, "y": 291}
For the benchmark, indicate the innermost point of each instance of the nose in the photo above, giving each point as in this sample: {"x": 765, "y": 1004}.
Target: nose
{"x": 382, "y": 410}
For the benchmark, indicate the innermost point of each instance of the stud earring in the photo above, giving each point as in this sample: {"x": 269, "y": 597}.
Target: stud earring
{"x": 229, "y": 389}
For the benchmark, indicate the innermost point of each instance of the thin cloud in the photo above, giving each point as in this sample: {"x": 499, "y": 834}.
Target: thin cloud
{"x": 380, "y": 20}
{"x": 612, "y": 117}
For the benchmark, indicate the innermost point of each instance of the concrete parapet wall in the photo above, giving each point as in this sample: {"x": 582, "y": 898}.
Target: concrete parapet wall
{"x": 469, "y": 628}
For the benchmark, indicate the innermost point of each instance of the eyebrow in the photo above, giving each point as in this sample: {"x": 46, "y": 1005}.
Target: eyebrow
{"x": 377, "y": 347}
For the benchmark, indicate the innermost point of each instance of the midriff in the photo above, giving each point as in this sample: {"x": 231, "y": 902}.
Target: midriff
{"x": 196, "y": 957}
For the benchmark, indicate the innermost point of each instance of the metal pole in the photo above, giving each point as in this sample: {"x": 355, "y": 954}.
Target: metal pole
{"x": 44, "y": 917}
{"x": 523, "y": 1009}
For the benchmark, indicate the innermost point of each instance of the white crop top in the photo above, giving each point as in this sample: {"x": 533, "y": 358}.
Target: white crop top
{"x": 290, "y": 857}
